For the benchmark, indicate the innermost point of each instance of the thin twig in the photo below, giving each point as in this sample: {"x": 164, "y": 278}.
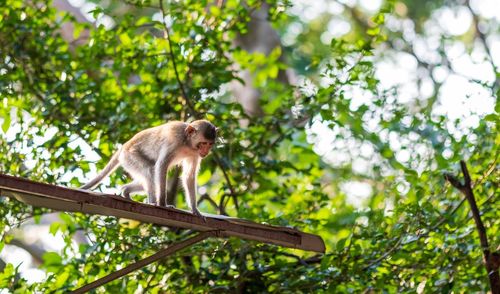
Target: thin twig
{"x": 385, "y": 255}
{"x": 482, "y": 38}
{"x": 230, "y": 186}
{"x": 210, "y": 200}
{"x": 174, "y": 63}
{"x": 140, "y": 5}
{"x": 445, "y": 217}
{"x": 345, "y": 252}
{"x": 488, "y": 172}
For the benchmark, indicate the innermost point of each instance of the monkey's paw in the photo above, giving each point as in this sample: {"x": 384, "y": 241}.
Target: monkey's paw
{"x": 126, "y": 196}
{"x": 198, "y": 214}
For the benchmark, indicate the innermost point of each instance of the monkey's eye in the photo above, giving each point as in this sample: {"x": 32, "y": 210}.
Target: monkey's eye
{"x": 204, "y": 144}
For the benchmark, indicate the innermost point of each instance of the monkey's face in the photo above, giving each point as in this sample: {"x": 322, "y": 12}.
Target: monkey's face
{"x": 204, "y": 147}
{"x": 202, "y": 135}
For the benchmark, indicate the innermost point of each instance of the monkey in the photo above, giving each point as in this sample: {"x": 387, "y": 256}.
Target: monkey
{"x": 152, "y": 152}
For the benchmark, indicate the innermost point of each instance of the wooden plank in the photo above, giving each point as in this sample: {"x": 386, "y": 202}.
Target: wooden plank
{"x": 66, "y": 199}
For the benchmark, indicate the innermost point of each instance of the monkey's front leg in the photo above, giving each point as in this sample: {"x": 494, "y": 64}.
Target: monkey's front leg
{"x": 162, "y": 197}
{"x": 160, "y": 172}
{"x": 189, "y": 171}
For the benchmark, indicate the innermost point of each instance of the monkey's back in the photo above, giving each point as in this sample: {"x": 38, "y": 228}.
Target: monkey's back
{"x": 147, "y": 143}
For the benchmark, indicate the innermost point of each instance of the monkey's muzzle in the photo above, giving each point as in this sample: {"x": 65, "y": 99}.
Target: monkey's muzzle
{"x": 204, "y": 150}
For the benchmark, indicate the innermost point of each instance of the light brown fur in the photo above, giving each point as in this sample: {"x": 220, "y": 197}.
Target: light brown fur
{"x": 151, "y": 152}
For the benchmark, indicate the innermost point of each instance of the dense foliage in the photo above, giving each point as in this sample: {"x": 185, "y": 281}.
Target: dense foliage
{"x": 63, "y": 100}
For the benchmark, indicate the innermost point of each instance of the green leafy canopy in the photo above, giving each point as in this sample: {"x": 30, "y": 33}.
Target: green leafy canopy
{"x": 63, "y": 98}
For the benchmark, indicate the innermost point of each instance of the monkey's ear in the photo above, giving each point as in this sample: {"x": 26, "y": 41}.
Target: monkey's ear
{"x": 190, "y": 130}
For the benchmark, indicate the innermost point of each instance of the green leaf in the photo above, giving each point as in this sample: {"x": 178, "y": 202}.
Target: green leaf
{"x": 51, "y": 259}
{"x": 373, "y": 31}
{"x": 275, "y": 54}
{"x": 204, "y": 177}
{"x": 61, "y": 279}
{"x": 214, "y": 10}
{"x": 273, "y": 71}
{"x": 97, "y": 11}
{"x": 54, "y": 227}
{"x": 341, "y": 244}
{"x": 6, "y": 121}
{"x": 492, "y": 117}
{"x": 6, "y": 276}
{"x": 379, "y": 18}
{"x": 125, "y": 39}
{"x": 37, "y": 218}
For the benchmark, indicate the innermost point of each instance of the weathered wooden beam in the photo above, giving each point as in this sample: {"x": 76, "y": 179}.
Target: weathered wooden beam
{"x": 72, "y": 200}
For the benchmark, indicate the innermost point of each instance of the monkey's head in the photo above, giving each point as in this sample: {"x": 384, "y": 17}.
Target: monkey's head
{"x": 201, "y": 136}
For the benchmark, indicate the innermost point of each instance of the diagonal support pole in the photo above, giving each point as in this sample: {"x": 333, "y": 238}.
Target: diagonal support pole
{"x": 143, "y": 262}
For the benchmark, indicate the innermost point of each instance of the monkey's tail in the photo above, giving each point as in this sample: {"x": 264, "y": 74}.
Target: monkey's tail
{"x": 109, "y": 168}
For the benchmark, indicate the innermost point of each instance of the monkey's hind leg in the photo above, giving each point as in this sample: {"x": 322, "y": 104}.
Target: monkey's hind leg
{"x": 130, "y": 188}
{"x": 141, "y": 173}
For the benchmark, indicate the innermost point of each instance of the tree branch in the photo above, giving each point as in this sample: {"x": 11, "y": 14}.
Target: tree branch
{"x": 210, "y": 200}
{"x": 482, "y": 38}
{"x": 385, "y": 255}
{"x": 489, "y": 259}
{"x": 174, "y": 63}
{"x": 229, "y": 185}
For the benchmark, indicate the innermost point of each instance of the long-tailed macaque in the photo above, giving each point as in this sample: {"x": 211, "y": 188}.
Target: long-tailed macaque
{"x": 150, "y": 153}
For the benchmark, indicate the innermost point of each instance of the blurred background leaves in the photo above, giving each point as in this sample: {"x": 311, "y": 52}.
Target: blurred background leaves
{"x": 337, "y": 117}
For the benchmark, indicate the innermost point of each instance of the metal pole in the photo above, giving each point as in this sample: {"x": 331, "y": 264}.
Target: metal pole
{"x": 143, "y": 262}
